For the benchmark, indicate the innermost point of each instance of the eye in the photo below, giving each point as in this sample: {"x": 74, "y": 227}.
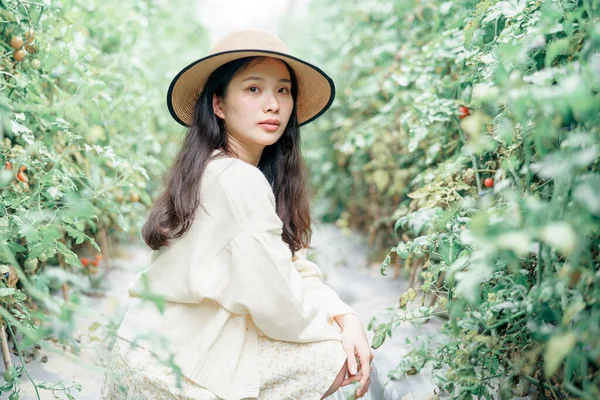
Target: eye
{"x": 253, "y": 87}
{"x": 285, "y": 90}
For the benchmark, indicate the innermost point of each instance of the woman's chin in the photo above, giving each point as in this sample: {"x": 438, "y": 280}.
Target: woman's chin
{"x": 267, "y": 138}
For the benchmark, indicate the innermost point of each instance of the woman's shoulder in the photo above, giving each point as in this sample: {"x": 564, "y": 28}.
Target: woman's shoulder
{"x": 237, "y": 177}
{"x": 239, "y": 183}
{"x": 243, "y": 189}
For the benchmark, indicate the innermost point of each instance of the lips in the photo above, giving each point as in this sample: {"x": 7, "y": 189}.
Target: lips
{"x": 270, "y": 121}
{"x": 271, "y": 124}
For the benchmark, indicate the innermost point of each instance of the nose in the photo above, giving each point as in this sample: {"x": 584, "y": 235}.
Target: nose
{"x": 270, "y": 103}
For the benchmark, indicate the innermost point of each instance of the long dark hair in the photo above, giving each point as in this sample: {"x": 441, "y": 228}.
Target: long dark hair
{"x": 173, "y": 211}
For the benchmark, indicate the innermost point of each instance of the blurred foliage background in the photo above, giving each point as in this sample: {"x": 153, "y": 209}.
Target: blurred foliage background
{"x": 465, "y": 139}
{"x": 86, "y": 138}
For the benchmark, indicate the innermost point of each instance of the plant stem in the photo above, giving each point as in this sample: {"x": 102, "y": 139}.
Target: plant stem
{"x": 571, "y": 389}
{"x": 529, "y": 173}
{"x": 504, "y": 321}
{"x": 540, "y": 266}
{"x": 538, "y": 383}
{"x": 473, "y": 159}
{"x": 40, "y": 16}
{"x": 568, "y": 386}
{"x": 21, "y": 358}
{"x": 5, "y": 351}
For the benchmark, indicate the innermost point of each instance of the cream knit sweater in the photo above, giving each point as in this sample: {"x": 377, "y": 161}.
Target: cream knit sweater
{"x": 228, "y": 276}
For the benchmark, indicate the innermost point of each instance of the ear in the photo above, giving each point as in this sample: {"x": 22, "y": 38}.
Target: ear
{"x": 217, "y": 104}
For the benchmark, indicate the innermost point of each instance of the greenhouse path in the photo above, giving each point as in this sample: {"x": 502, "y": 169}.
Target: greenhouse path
{"x": 342, "y": 257}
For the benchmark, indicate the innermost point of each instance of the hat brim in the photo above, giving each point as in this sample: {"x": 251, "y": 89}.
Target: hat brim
{"x": 316, "y": 89}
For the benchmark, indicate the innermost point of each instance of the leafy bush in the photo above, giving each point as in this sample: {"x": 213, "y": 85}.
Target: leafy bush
{"x": 467, "y": 134}
{"x": 85, "y": 137}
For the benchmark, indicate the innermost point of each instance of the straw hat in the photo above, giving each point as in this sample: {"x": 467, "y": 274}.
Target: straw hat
{"x": 315, "y": 89}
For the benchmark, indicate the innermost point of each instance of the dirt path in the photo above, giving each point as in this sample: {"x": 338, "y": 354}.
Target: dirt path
{"x": 96, "y": 312}
{"x": 343, "y": 261}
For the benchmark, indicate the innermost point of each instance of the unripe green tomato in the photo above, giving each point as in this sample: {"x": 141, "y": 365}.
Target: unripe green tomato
{"x": 42, "y": 257}
{"x": 31, "y": 264}
{"x": 36, "y": 64}
{"x": 14, "y": 396}
{"x": 25, "y": 64}
{"x": 9, "y": 375}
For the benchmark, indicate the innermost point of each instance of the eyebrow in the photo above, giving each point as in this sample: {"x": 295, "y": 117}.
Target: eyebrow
{"x": 258, "y": 78}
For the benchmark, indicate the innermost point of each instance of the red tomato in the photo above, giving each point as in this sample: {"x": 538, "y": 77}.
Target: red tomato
{"x": 488, "y": 182}
{"x": 8, "y": 165}
{"x": 95, "y": 263}
{"x": 16, "y": 42}
{"x": 31, "y": 48}
{"x": 463, "y": 112}
{"x": 22, "y": 177}
{"x": 134, "y": 197}
{"x": 30, "y": 35}
{"x": 84, "y": 261}
{"x": 19, "y": 55}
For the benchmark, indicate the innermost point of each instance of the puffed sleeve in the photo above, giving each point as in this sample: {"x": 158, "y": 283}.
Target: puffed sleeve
{"x": 313, "y": 281}
{"x": 261, "y": 279}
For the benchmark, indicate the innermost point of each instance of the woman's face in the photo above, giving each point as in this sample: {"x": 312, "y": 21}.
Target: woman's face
{"x": 259, "y": 93}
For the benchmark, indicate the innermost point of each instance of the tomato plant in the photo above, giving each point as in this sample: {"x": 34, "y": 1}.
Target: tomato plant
{"x": 433, "y": 96}
{"x": 81, "y": 84}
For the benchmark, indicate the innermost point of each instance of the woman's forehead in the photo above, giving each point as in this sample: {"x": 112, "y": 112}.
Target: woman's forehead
{"x": 266, "y": 68}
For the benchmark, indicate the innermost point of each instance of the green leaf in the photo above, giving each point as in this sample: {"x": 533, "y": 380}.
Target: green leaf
{"x": 449, "y": 250}
{"x": 587, "y": 193}
{"x": 17, "y": 248}
{"x": 419, "y": 193}
{"x": 381, "y": 179}
{"x": 556, "y": 48}
{"x": 401, "y": 222}
{"x": 561, "y": 236}
{"x": 556, "y": 349}
{"x": 37, "y": 249}
{"x": 518, "y": 242}
{"x": 7, "y": 291}
{"x": 6, "y": 15}
{"x": 572, "y": 311}
{"x": 70, "y": 257}
{"x": 94, "y": 326}
{"x": 379, "y": 336}
{"x": 402, "y": 250}
{"x": 76, "y": 234}
{"x": 385, "y": 264}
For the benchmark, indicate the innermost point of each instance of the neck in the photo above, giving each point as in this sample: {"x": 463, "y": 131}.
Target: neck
{"x": 248, "y": 154}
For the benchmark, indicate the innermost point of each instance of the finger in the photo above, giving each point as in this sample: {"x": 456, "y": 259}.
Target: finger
{"x": 352, "y": 379}
{"x": 365, "y": 368}
{"x": 361, "y": 391}
{"x": 352, "y": 366}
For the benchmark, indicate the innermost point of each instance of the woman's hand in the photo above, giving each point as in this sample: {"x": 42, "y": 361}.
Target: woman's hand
{"x": 356, "y": 344}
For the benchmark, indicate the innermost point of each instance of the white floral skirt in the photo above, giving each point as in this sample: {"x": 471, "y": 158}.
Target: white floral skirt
{"x": 298, "y": 371}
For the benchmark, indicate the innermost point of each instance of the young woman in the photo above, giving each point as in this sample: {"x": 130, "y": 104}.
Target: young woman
{"x": 229, "y": 307}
